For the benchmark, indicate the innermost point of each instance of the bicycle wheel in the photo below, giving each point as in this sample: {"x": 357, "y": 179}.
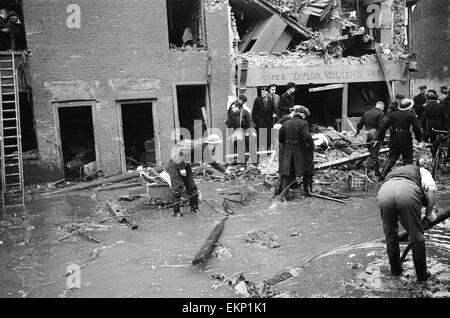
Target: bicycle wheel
{"x": 436, "y": 163}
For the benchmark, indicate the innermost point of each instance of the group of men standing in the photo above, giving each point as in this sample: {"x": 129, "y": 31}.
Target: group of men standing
{"x": 421, "y": 115}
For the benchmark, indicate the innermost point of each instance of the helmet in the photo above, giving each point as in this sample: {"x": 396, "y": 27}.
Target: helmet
{"x": 213, "y": 139}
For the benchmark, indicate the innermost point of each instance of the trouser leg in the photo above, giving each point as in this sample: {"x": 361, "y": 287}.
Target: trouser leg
{"x": 434, "y": 146}
{"x": 307, "y": 183}
{"x": 191, "y": 188}
{"x": 420, "y": 260}
{"x": 394, "y": 154}
{"x": 390, "y": 227}
{"x": 407, "y": 156}
{"x": 177, "y": 186}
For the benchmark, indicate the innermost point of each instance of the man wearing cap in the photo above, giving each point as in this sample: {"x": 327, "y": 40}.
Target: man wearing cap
{"x": 400, "y": 142}
{"x": 401, "y": 198}
{"x": 419, "y": 102}
{"x": 298, "y": 151}
{"x": 393, "y": 107}
{"x": 262, "y": 115}
{"x": 372, "y": 120}
{"x": 434, "y": 116}
{"x": 446, "y": 103}
{"x": 180, "y": 172}
{"x": 287, "y": 100}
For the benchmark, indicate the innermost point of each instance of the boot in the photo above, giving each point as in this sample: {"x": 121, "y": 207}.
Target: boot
{"x": 420, "y": 261}
{"x": 307, "y": 186}
{"x": 176, "y": 210}
{"x": 393, "y": 251}
{"x": 193, "y": 202}
{"x": 387, "y": 168}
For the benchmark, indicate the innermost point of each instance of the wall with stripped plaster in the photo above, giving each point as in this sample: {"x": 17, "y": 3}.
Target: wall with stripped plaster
{"x": 119, "y": 51}
{"x": 430, "y": 38}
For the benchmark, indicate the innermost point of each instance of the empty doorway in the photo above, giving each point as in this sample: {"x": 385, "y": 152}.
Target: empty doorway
{"x": 191, "y": 105}
{"x": 138, "y": 134}
{"x": 77, "y": 138}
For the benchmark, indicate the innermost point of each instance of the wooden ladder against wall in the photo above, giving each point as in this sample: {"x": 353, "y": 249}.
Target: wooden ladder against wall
{"x": 10, "y": 136}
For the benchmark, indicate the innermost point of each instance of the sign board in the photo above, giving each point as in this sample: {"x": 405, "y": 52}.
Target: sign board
{"x": 322, "y": 74}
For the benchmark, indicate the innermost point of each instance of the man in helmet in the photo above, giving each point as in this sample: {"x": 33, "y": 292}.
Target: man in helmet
{"x": 180, "y": 171}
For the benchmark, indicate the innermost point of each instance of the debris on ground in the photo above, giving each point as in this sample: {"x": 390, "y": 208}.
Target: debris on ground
{"x": 245, "y": 287}
{"x": 129, "y": 197}
{"x": 221, "y": 250}
{"x": 261, "y": 238}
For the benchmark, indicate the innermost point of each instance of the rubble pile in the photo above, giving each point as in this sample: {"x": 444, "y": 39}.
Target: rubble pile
{"x": 302, "y": 58}
{"x": 245, "y": 287}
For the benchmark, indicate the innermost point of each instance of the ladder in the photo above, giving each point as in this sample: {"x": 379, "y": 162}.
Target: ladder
{"x": 12, "y": 186}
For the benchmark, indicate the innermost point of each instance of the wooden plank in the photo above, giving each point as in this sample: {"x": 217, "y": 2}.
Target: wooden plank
{"x": 344, "y": 113}
{"x": 117, "y": 211}
{"x": 326, "y": 87}
{"x": 383, "y": 69}
{"x": 403, "y": 235}
{"x": 327, "y": 10}
{"x": 87, "y": 185}
{"x": 207, "y": 247}
{"x": 263, "y": 152}
{"x": 346, "y": 160}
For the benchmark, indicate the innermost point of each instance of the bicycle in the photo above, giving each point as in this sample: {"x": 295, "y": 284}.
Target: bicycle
{"x": 442, "y": 156}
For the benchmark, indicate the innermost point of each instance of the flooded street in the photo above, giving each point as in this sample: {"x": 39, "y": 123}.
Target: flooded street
{"x": 331, "y": 249}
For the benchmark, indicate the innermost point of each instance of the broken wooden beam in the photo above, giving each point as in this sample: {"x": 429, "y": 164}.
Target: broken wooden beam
{"x": 403, "y": 235}
{"x": 346, "y": 160}
{"x": 326, "y": 87}
{"x": 207, "y": 247}
{"x": 262, "y": 152}
{"x": 87, "y": 185}
{"x": 117, "y": 210}
{"x": 327, "y": 198}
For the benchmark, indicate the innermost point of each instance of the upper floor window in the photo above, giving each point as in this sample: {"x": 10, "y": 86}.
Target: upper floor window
{"x": 12, "y": 32}
{"x": 186, "y": 24}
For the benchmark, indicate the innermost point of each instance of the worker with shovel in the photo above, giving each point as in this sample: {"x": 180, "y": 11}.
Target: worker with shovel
{"x": 401, "y": 197}
{"x": 180, "y": 171}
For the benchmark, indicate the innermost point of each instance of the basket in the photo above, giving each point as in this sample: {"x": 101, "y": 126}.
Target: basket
{"x": 357, "y": 181}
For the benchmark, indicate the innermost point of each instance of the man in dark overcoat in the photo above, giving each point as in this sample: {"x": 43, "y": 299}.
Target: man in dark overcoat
{"x": 262, "y": 115}
{"x": 434, "y": 116}
{"x": 400, "y": 142}
{"x": 298, "y": 151}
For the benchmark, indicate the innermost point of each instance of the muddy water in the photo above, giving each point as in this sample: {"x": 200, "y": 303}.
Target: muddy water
{"x": 155, "y": 260}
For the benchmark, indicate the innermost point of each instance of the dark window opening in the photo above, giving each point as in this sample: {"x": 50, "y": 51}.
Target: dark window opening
{"x": 27, "y": 127}
{"x": 186, "y": 24}
{"x": 191, "y": 100}
{"x": 363, "y": 96}
{"x": 138, "y": 135}
{"x": 12, "y": 29}
{"x": 77, "y": 138}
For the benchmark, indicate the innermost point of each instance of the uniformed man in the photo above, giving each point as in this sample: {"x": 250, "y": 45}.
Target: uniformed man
{"x": 298, "y": 151}
{"x": 400, "y": 142}
{"x": 180, "y": 172}
{"x": 401, "y": 197}
{"x": 419, "y": 102}
{"x": 372, "y": 120}
{"x": 434, "y": 116}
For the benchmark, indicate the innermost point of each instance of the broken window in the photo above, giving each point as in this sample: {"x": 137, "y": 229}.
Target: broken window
{"x": 138, "y": 134}
{"x": 186, "y": 24}
{"x": 12, "y": 32}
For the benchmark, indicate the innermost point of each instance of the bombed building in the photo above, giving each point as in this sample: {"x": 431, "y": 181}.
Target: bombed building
{"x": 430, "y": 48}
{"x": 109, "y": 82}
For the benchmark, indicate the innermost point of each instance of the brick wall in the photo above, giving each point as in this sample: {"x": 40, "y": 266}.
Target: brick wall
{"x": 430, "y": 36}
{"x": 121, "y": 51}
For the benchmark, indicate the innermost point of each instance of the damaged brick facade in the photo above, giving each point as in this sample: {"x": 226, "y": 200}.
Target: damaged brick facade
{"x": 429, "y": 40}
{"x": 119, "y": 52}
